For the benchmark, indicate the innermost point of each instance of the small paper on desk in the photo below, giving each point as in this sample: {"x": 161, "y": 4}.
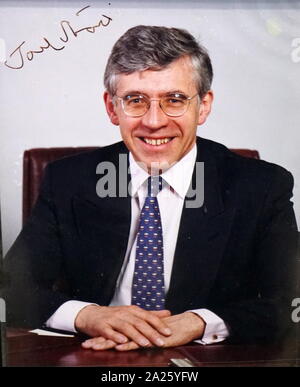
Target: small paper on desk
{"x": 43, "y": 332}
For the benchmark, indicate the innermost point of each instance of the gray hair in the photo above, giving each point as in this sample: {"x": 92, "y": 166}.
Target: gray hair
{"x": 151, "y": 47}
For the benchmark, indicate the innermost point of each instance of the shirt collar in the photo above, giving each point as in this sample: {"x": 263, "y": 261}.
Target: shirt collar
{"x": 178, "y": 176}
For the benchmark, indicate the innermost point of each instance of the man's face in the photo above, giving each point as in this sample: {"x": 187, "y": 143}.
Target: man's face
{"x": 178, "y": 133}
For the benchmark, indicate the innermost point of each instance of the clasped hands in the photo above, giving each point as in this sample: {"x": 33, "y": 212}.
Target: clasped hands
{"x": 129, "y": 327}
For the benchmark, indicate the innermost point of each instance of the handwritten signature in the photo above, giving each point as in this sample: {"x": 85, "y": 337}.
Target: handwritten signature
{"x": 19, "y": 55}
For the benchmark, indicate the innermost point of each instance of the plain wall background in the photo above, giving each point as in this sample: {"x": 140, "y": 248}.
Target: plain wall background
{"x": 56, "y": 98}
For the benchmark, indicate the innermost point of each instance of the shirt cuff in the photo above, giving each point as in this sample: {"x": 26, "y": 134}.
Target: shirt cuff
{"x": 64, "y": 317}
{"x": 215, "y": 330}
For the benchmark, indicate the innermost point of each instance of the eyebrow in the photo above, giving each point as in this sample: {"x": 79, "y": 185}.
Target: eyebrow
{"x": 139, "y": 92}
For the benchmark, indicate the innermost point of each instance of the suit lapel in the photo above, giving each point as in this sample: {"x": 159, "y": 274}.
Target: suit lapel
{"x": 201, "y": 241}
{"x": 103, "y": 224}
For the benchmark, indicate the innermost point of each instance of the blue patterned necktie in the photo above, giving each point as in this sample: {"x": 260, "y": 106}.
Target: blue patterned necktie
{"x": 148, "y": 290}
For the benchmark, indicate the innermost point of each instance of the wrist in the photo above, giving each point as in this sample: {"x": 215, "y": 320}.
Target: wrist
{"x": 82, "y": 317}
{"x": 198, "y": 325}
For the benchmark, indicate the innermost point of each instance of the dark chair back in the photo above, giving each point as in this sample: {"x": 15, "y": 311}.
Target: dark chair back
{"x": 35, "y": 161}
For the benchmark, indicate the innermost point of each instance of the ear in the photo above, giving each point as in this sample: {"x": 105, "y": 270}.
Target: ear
{"x": 205, "y": 107}
{"x": 110, "y": 108}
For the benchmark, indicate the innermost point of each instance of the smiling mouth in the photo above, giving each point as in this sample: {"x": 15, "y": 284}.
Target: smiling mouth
{"x": 156, "y": 141}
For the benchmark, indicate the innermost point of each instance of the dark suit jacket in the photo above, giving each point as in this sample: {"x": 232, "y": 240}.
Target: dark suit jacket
{"x": 235, "y": 255}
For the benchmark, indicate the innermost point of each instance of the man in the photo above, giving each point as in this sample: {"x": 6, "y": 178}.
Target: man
{"x": 227, "y": 271}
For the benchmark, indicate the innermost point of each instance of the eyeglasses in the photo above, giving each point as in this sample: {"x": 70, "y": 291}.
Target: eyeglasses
{"x": 173, "y": 105}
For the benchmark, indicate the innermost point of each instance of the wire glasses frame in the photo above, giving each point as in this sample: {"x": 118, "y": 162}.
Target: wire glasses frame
{"x": 138, "y": 105}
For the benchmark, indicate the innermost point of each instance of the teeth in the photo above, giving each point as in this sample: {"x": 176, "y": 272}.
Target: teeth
{"x": 158, "y": 141}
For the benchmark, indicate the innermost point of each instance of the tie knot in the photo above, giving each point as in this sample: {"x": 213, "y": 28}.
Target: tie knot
{"x": 154, "y": 185}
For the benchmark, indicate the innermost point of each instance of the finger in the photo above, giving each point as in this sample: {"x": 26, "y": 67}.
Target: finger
{"x": 98, "y": 343}
{"x": 136, "y": 330}
{"x": 154, "y": 319}
{"x": 127, "y": 347}
{"x": 139, "y": 331}
{"x": 108, "y": 344}
{"x": 120, "y": 331}
{"x": 95, "y": 340}
{"x": 109, "y": 333}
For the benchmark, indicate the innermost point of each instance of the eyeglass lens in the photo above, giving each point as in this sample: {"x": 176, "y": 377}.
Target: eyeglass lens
{"x": 171, "y": 105}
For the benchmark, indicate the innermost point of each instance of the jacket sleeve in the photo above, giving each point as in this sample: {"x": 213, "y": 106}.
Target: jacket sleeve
{"x": 268, "y": 316}
{"x": 35, "y": 267}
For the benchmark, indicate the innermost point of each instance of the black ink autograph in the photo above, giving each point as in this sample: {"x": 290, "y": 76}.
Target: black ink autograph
{"x": 66, "y": 29}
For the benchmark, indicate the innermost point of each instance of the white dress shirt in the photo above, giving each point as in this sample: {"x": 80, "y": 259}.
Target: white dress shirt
{"x": 171, "y": 202}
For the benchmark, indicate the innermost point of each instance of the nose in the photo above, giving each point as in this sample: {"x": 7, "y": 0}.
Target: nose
{"x": 154, "y": 118}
